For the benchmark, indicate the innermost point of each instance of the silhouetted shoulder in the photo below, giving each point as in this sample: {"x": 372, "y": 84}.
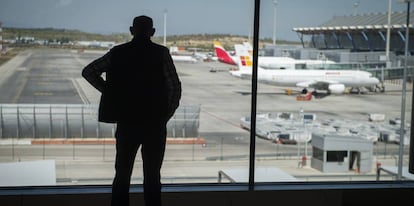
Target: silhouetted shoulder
{"x": 160, "y": 47}
{"x": 150, "y": 47}
{"x": 122, "y": 46}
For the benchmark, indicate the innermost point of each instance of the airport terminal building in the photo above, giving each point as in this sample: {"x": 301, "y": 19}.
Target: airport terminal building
{"x": 354, "y": 39}
{"x": 359, "y": 33}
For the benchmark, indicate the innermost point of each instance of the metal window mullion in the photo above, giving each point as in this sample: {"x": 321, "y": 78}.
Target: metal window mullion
{"x": 34, "y": 122}
{"x": 254, "y": 95}
{"x": 1, "y": 121}
{"x": 18, "y": 122}
{"x": 50, "y": 121}
{"x": 403, "y": 97}
{"x": 66, "y": 122}
{"x": 411, "y": 149}
{"x": 82, "y": 121}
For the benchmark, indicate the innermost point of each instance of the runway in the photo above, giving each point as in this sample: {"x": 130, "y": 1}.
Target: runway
{"x": 53, "y": 76}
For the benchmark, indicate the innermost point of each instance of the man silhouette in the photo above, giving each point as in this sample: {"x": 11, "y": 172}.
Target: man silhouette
{"x": 140, "y": 93}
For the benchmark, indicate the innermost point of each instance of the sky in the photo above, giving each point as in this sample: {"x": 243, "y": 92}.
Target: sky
{"x": 185, "y": 16}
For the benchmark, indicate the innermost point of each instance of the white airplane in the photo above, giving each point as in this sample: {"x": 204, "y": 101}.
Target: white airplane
{"x": 178, "y": 56}
{"x": 268, "y": 62}
{"x": 184, "y": 58}
{"x": 291, "y": 63}
{"x": 331, "y": 81}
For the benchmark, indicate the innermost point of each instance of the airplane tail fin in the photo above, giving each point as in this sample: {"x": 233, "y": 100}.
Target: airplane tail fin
{"x": 249, "y": 47}
{"x": 244, "y": 58}
{"x": 244, "y": 62}
{"x": 222, "y": 54}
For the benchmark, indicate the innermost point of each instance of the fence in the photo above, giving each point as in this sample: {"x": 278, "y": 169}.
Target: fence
{"x": 78, "y": 121}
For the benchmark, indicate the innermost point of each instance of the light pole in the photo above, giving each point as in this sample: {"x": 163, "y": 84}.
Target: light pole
{"x": 387, "y": 47}
{"x": 1, "y": 39}
{"x": 165, "y": 27}
{"x": 274, "y": 21}
{"x": 356, "y": 4}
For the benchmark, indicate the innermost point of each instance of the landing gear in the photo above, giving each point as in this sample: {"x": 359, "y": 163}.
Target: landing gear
{"x": 320, "y": 95}
{"x": 377, "y": 88}
{"x": 380, "y": 87}
{"x": 304, "y": 91}
{"x": 355, "y": 90}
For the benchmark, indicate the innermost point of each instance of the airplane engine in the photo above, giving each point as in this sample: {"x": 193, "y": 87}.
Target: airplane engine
{"x": 336, "y": 88}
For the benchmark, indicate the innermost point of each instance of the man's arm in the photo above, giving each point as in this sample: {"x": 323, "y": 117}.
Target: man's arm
{"x": 173, "y": 83}
{"x": 93, "y": 71}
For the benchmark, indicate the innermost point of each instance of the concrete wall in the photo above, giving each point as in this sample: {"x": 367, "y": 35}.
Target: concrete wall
{"x": 294, "y": 195}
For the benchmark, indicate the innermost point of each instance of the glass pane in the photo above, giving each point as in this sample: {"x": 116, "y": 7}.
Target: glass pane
{"x": 319, "y": 117}
{"x": 49, "y": 112}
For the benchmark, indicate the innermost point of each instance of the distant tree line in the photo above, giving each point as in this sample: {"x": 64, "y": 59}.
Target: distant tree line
{"x": 63, "y": 36}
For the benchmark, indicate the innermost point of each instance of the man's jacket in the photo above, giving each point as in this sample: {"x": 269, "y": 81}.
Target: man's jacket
{"x": 137, "y": 85}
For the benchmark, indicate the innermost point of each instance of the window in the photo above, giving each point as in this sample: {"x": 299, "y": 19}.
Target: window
{"x": 48, "y": 112}
{"x": 336, "y": 156}
{"x": 317, "y": 153}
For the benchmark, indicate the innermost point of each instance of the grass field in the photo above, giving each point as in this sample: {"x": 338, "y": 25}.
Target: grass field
{"x": 6, "y": 56}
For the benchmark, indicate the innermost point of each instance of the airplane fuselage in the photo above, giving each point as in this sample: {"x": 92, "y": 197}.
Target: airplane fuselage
{"x": 333, "y": 81}
{"x": 293, "y": 77}
{"x": 287, "y": 63}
